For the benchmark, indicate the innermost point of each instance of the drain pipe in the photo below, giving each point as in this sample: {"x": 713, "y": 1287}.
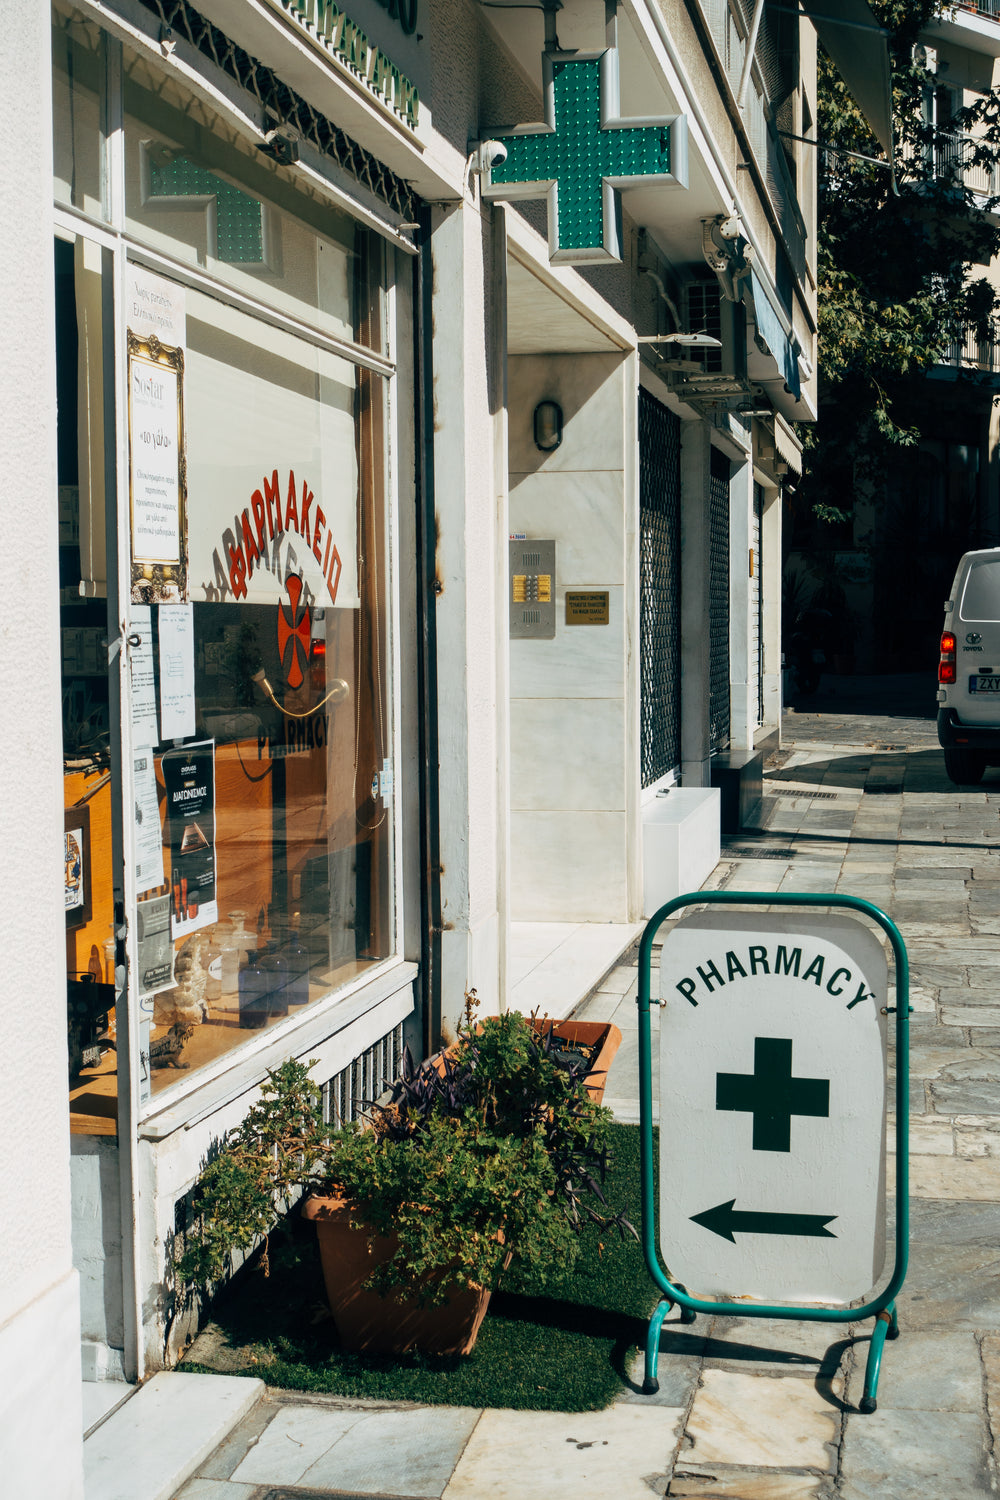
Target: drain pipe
{"x": 427, "y": 681}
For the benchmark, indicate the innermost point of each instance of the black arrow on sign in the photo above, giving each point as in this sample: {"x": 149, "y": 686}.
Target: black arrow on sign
{"x": 724, "y": 1220}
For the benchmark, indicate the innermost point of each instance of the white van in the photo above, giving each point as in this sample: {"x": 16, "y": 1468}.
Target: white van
{"x": 969, "y": 670}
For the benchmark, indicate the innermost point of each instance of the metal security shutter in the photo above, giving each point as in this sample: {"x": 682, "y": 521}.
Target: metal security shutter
{"x": 718, "y": 602}
{"x": 757, "y": 605}
{"x": 659, "y": 587}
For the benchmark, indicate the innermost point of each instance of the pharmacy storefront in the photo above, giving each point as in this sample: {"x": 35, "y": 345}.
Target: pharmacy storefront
{"x": 235, "y": 457}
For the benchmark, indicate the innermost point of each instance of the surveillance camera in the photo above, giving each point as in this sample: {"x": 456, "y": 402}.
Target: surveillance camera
{"x": 731, "y": 228}
{"x": 282, "y": 144}
{"x": 488, "y": 154}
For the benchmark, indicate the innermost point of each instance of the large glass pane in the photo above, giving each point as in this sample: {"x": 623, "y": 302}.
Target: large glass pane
{"x": 198, "y": 191}
{"x": 279, "y": 888}
{"x": 77, "y": 72}
{"x": 90, "y": 956}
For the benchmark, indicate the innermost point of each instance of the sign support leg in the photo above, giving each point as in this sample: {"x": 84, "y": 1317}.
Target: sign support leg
{"x": 886, "y": 1327}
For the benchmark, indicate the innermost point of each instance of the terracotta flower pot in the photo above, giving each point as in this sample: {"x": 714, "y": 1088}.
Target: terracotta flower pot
{"x": 600, "y": 1034}
{"x": 393, "y": 1322}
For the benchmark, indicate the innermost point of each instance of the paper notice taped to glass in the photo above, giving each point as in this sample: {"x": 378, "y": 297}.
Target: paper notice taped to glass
{"x": 177, "y": 717}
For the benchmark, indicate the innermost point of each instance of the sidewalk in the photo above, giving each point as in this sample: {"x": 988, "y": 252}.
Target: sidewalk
{"x": 856, "y": 801}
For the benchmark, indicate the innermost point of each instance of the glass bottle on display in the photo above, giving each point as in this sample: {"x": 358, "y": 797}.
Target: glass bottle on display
{"x": 253, "y": 988}
{"x": 297, "y": 959}
{"x": 275, "y": 967}
{"x": 229, "y": 965}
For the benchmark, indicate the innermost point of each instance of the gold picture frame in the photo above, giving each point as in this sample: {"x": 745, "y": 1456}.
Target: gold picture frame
{"x": 157, "y": 471}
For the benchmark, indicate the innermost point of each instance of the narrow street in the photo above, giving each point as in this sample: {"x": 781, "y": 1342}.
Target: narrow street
{"x": 856, "y": 801}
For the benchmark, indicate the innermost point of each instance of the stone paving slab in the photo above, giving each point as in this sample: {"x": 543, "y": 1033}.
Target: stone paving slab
{"x": 915, "y": 1455}
{"x": 626, "y": 1452}
{"x": 717, "y": 1483}
{"x": 925, "y": 1372}
{"x": 778, "y": 1421}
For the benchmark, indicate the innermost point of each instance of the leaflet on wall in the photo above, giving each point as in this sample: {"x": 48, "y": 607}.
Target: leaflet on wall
{"x": 156, "y": 949}
{"x": 143, "y": 677}
{"x": 176, "y": 632}
{"x": 155, "y": 317}
{"x": 189, "y": 779}
{"x": 148, "y": 836}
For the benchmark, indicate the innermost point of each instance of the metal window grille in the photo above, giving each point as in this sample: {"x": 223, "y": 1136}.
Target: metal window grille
{"x": 718, "y": 601}
{"x": 348, "y": 1093}
{"x": 659, "y": 587}
{"x": 283, "y": 104}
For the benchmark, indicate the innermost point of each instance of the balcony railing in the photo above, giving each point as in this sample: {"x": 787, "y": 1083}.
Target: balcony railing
{"x": 990, "y": 8}
{"x": 969, "y": 351}
{"x": 952, "y": 156}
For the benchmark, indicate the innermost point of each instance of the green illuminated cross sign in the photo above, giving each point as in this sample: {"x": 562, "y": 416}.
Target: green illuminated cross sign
{"x": 772, "y": 1095}
{"x": 585, "y": 154}
{"x": 239, "y": 229}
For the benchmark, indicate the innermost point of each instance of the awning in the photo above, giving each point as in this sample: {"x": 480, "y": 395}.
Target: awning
{"x": 851, "y": 34}
{"x": 771, "y": 332}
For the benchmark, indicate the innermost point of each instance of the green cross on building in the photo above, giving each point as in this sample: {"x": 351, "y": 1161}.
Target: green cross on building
{"x": 584, "y": 154}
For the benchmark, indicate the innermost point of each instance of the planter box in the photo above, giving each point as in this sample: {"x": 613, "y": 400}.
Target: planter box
{"x": 390, "y": 1324}
{"x": 602, "y": 1034}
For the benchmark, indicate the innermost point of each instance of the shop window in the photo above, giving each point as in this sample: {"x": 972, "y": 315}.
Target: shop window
{"x": 77, "y": 72}
{"x": 277, "y": 870}
{"x": 197, "y": 191}
{"x": 257, "y": 810}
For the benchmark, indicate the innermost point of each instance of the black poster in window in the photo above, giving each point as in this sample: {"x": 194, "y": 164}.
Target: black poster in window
{"x": 189, "y": 779}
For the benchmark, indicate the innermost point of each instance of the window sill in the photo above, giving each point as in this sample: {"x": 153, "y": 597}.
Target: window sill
{"x": 324, "y": 1021}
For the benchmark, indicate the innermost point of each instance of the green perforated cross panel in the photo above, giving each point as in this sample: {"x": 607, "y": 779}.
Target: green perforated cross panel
{"x": 238, "y": 216}
{"x": 580, "y": 155}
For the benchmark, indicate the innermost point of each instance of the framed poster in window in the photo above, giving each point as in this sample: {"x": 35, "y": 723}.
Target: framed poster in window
{"x": 157, "y": 477}
{"x": 77, "y": 866}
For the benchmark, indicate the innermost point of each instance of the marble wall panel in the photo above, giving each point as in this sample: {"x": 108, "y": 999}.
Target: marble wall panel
{"x": 567, "y": 754}
{"x": 585, "y": 512}
{"x": 568, "y": 867}
{"x": 589, "y": 388}
{"x": 583, "y": 661}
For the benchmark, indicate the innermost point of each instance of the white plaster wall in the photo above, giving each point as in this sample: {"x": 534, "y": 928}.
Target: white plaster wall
{"x": 40, "y": 1404}
{"x": 571, "y": 749}
{"x": 467, "y": 570}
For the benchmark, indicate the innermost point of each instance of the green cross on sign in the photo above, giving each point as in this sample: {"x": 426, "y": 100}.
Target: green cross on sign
{"x": 239, "y": 231}
{"x": 771, "y": 1095}
{"x": 585, "y": 154}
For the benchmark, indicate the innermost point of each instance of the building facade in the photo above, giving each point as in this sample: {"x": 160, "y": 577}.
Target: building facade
{"x": 401, "y": 401}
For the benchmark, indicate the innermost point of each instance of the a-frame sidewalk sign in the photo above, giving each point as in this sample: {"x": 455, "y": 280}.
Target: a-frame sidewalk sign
{"x": 772, "y": 1114}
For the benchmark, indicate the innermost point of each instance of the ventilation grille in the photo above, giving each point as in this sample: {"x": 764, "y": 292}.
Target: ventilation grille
{"x": 349, "y": 1093}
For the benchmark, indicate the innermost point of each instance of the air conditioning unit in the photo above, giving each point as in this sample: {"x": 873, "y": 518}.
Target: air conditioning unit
{"x": 924, "y": 57}
{"x": 706, "y": 310}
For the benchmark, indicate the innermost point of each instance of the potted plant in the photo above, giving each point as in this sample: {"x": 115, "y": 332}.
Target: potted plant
{"x": 490, "y": 1153}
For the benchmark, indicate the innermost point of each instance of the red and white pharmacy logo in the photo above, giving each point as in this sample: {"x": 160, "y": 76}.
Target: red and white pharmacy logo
{"x": 294, "y": 632}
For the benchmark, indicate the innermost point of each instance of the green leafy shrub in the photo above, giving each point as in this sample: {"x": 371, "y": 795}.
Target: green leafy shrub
{"x": 489, "y": 1153}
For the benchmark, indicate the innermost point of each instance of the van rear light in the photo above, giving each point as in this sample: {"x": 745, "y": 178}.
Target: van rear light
{"x": 946, "y": 666}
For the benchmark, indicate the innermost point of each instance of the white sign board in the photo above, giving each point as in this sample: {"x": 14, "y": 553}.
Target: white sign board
{"x": 772, "y": 1107}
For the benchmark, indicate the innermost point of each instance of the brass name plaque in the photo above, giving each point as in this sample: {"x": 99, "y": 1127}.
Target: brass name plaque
{"x": 587, "y": 608}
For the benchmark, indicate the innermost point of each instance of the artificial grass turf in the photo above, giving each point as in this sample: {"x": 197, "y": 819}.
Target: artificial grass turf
{"x": 564, "y": 1347}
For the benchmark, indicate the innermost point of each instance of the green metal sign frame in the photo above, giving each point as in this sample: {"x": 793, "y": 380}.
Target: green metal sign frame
{"x": 883, "y": 1307}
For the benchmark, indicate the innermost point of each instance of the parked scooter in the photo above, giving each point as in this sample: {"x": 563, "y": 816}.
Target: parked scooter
{"x": 808, "y": 644}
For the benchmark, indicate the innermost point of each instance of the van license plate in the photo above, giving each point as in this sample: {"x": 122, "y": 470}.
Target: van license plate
{"x": 980, "y": 684}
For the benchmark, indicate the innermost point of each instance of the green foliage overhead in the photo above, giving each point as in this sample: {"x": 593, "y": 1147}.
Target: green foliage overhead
{"x": 901, "y": 273}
